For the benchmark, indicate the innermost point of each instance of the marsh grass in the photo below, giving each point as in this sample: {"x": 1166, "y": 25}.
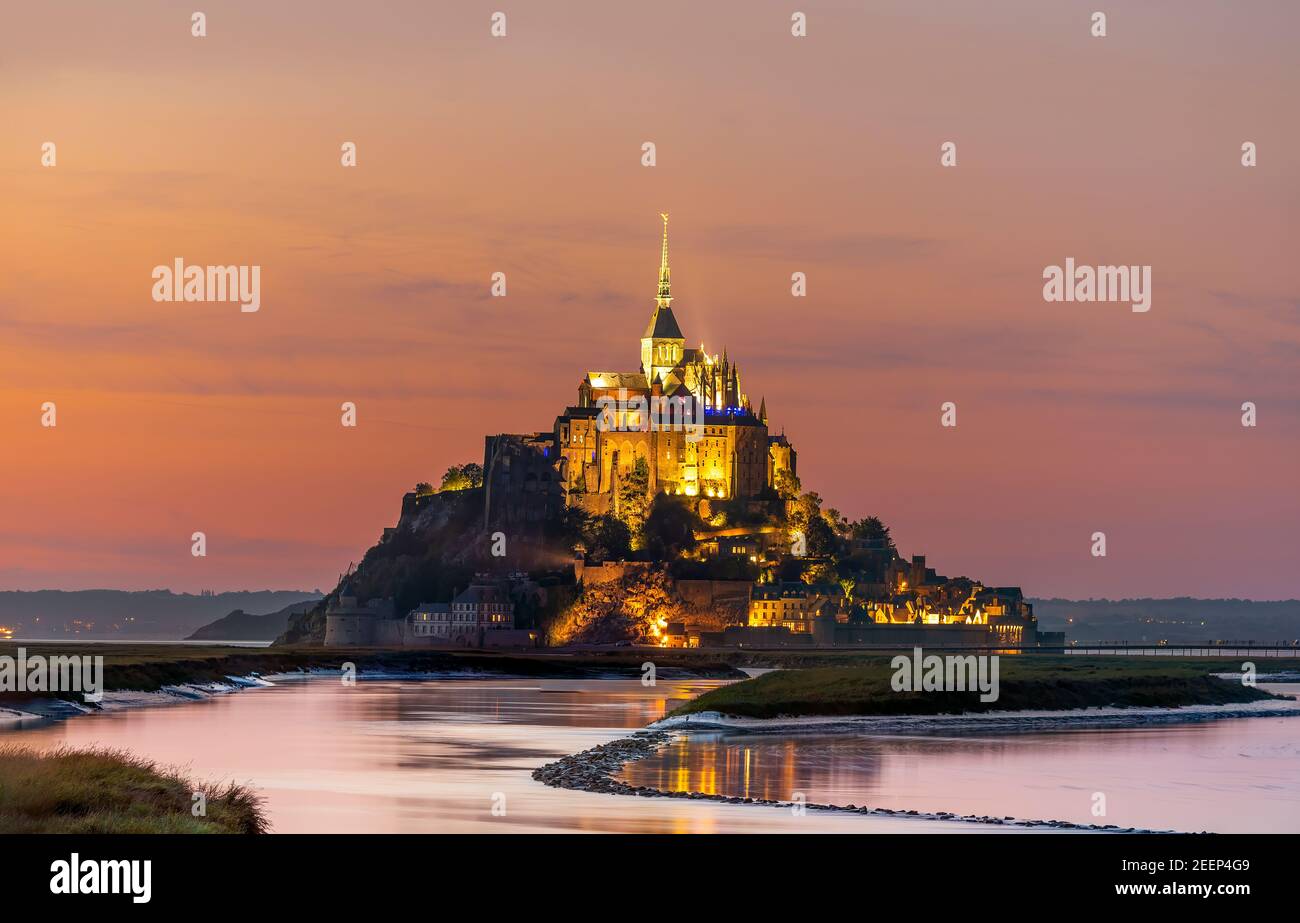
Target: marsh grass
{"x": 111, "y": 791}
{"x": 1050, "y": 683}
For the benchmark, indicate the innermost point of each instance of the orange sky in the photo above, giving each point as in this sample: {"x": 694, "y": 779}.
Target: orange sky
{"x": 775, "y": 154}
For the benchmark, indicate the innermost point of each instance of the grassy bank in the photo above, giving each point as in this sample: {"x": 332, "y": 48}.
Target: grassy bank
{"x": 150, "y": 667}
{"x": 850, "y": 676}
{"x": 109, "y": 791}
{"x": 1025, "y": 682}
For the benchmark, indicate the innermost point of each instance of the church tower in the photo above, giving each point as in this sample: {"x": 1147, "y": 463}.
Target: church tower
{"x": 662, "y": 343}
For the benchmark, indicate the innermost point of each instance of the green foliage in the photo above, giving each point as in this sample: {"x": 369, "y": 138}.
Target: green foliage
{"x": 670, "y": 528}
{"x": 567, "y": 530}
{"x": 599, "y": 538}
{"x": 1036, "y": 682}
{"x": 876, "y": 533}
{"x": 740, "y": 513}
{"x": 839, "y": 525}
{"x": 424, "y": 489}
{"x": 806, "y": 508}
{"x": 820, "y": 537}
{"x": 463, "y": 477}
{"x": 112, "y": 791}
{"x": 634, "y": 500}
{"x": 820, "y": 572}
{"x": 606, "y": 538}
{"x": 787, "y": 486}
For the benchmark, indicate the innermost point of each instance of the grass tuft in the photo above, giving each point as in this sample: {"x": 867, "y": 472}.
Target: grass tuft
{"x": 68, "y": 790}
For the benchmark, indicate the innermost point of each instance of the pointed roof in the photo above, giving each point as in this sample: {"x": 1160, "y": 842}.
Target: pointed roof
{"x": 663, "y": 326}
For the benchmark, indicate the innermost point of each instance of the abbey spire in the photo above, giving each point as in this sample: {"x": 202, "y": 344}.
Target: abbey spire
{"x": 662, "y": 344}
{"x": 665, "y": 297}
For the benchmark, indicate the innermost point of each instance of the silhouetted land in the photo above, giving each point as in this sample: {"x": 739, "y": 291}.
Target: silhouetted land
{"x": 153, "y": 615}
{"x": 152, "y": 667}
{"x": 1176, "y": 621}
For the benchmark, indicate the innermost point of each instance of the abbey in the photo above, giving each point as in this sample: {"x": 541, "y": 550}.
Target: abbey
{"x": 682, "y": 411}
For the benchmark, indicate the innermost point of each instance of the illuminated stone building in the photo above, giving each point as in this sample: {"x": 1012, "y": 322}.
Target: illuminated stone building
{"x": 683, "y": 411}
{"x": 794, "y": 606}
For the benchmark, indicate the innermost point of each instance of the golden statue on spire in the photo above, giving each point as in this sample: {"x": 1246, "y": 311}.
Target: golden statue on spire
{"x": 665, "y": 297}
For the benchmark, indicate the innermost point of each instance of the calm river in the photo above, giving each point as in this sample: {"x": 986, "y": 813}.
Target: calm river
{"x": 436, "y": 755}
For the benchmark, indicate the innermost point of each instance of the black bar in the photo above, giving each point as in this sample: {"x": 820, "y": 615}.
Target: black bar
{"x": 582, "y": 875}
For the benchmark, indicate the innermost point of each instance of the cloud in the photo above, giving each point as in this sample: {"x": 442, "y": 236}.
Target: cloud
{"x": 780, "y": 242}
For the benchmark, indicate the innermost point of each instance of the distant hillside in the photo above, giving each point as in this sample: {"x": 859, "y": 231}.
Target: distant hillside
{"x": 1181, "y": 620}
{"x": 148, "y": 615}
{"x": 243, "y": 626}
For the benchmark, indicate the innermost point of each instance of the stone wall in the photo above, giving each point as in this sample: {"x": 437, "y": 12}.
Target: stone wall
{"x": 359, "y": 630}
{"x": 705, "y": 594}
{"x": 611, "y": 572}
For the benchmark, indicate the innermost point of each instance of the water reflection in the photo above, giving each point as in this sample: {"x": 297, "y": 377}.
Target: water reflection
{"x": 430, "y": 756}
{"x": 1230, "y": 776}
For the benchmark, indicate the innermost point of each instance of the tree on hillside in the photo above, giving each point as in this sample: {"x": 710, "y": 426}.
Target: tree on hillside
{"x": 670, "y": 528}
{"x": 463, "y": 477}
{"x": 875, "y": 533}
{"x": 568, "y": 529}
{"x": 606, "y": 539}
{"x": 848, "y": 585}
{"x": 819, "y": 537}
{"x": 423, "y": 489}
{"x": 837, "y": 522}
{"x": 806, "y": 508}
{"x": 634, "y": 500}
{"x": 819, "y": 573}
{"x": 806, "y": 519}
{"x": 787, "y": 486}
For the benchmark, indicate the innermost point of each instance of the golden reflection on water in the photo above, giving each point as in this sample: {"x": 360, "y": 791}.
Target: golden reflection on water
{"x": 1232, "y": 775}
